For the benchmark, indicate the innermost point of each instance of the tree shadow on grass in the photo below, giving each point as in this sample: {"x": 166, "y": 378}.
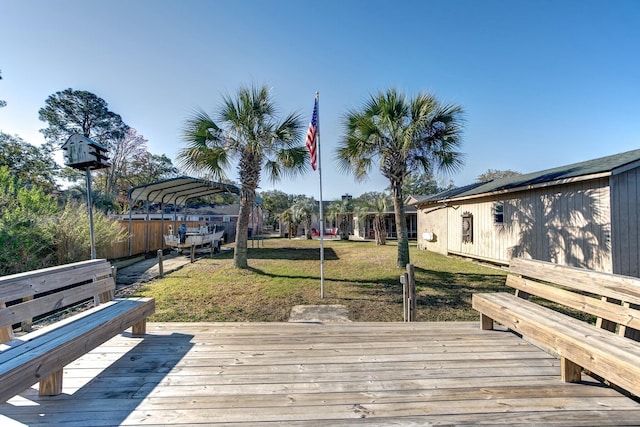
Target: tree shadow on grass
{"x": 290, "y": 254}
{"x": 299, "y": 276}
{"x": 454, "y": 290}
{"x": 293, "y": 254}
{"x": 434, "y": 288}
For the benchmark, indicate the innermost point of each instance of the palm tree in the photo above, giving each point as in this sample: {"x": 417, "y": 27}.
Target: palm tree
{"x": 290, "y": 218}
{"x": 304, "y": 210}
{"x": 342, "y": 212}
{"x": 380, "y": 206}
{"x": 405, "y": 136}
{"x": 246, "y": 130}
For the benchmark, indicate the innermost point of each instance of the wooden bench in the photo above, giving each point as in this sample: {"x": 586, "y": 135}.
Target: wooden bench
{"x": 607, "y": 347}
{"x": 41, "y": 296}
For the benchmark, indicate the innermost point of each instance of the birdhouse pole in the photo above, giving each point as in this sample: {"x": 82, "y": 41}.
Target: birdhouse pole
{"x": 90, "y": 208}
{"x": 85, "y": 154}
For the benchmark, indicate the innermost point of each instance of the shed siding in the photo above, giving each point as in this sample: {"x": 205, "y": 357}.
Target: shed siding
{"x": 435, "y": 222}
{"x": 566, "y": 224}
{"x": 625, "y": 198}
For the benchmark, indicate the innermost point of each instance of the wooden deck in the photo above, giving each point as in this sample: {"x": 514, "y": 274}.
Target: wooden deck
{"x": 256, "y": 374}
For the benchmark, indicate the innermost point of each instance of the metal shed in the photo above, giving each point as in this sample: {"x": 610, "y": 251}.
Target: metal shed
{"x": 582, "y": 215}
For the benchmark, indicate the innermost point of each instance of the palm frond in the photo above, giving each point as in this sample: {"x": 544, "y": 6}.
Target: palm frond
{"x": 287, "y": 162}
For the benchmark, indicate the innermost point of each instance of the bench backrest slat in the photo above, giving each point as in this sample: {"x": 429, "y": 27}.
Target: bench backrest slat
{"x": 22, "y": 285}
{"x": 49, "y": 303}
{"x": 29, "y": 295}
{"x": 616, "y": 313}
{"x": 603, "y": 284}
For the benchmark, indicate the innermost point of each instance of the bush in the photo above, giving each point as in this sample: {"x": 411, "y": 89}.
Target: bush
{"x": 26, "y": 235}
{"x": 73, "y": 240}
{"x": 35, "y": 234}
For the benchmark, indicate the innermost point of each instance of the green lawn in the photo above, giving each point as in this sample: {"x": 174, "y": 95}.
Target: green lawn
{"x": 284, "y": 273}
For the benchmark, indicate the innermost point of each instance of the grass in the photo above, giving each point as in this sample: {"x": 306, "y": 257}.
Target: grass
{"x": 359, "y": 275}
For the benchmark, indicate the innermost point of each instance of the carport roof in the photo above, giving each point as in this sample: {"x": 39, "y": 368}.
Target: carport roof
{"x": 177, "y": 191}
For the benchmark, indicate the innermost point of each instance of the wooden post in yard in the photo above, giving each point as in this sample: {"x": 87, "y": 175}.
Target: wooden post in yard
{"x": 193, "y": 252}
{"x": 160, "y": 266}
{"x": 404, "y": 279}
{"x": 411, "y": 285}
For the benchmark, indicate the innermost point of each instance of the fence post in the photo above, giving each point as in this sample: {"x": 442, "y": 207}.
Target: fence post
{"x": 193, "y": 252}
{"x": 411, "y": 284}
{"x": 160, "y": 266}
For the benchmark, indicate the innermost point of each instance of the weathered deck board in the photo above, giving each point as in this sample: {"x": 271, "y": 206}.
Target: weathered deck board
{"x": 312, "y": 374}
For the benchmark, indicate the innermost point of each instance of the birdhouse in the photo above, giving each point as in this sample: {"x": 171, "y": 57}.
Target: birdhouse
{"x": 81, "y": 152}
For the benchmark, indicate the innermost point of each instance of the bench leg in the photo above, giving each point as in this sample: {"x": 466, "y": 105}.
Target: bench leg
{"x": 486, "y": 322}
{"x": 52, "y": 385}
{"x": 139, "y": 329}
{"x": 6, "y": 332}
{"x": 570, "y": 372}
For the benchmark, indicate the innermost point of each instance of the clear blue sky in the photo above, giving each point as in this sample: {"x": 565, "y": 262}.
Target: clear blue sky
{"x": 544, "y": 83}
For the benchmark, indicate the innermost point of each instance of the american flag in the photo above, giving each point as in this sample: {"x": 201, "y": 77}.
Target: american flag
{"x": 312, "y": 136}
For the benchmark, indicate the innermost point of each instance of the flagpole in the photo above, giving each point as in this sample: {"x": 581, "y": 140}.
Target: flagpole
{"x": 321, "y": 207}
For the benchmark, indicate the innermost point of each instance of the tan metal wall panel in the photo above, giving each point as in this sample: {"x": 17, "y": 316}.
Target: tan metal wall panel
{"x": 625, "y": 228}
{"x": 567, "y": 224}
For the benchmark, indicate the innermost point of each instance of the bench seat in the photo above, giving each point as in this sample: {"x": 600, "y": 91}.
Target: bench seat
{"x": 37, "y": 356}
{"x": 40, "y": 354}
{"x": 575, "y": 342}
{"x": 609, "y": 348}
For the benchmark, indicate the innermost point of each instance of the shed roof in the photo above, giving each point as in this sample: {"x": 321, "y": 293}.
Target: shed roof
{"x": 179, "y": 190}
{"x": 603, "y": 166}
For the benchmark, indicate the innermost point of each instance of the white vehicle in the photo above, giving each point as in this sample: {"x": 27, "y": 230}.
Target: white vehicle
{"x": 186, "y": 237}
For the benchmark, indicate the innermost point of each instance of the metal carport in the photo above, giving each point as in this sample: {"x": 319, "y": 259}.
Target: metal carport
{"x": 175, "y": 191}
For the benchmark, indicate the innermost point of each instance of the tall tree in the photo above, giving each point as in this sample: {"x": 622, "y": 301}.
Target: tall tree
{"x": 274, "y": 202}
{"x": 131, "y": 164}
{"x": 33, "y": 165}
{"x": 151, "y": 167}
{"x": 78, "y": 111}
{"x": 247, "y": 130}
{"x": 423, "y": 184}
{"x": 492, "y": 174}
{"x": 404, "y": 136}
{"x": 124, "y": 150}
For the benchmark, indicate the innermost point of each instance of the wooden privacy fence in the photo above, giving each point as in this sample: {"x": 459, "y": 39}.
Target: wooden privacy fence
{"x": 139, "y": 240}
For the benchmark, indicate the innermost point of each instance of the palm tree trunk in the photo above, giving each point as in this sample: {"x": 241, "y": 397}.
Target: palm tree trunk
{"x": 401, "y": 226}
{"x": 242, "y": 228}
{"x": 380, "y": 230}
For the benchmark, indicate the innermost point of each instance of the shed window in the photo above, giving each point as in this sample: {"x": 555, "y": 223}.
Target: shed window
{"x": 467, "y": 227}
{"x": 498, "y": 213}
